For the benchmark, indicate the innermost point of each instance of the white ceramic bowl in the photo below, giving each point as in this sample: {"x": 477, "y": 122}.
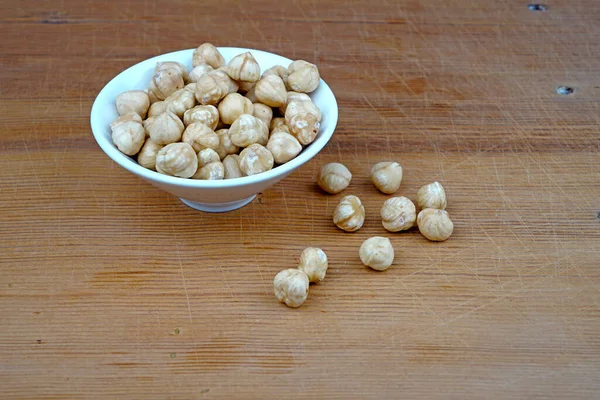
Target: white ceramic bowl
{"x": 212, "y": 196}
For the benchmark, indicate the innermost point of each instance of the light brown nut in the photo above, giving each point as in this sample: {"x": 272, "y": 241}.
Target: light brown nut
{"x": 157, "y": 108}
{"x": 173, "y": 65}
{"x": 243, "y": 67}
{"x": 291, "y": 287}
{"x": 177, "y": 159}
{"x": 313, "y": 262}
{"x": 198, "y": 71}
{"x": 435, "y": 224}
{"x": 180, "y": 101}
{"x": 349, "y": 215}
{"x": 432, "y": 195}
{"x": 207, "y": 156}
{"x": 164, "y": 83}
{"x": 212, "y": 171}
{"x": 207, "y": 53}
{"x": 283, "y": 146}
{"x": 128, "y": 134}
{"x": 282, "y": 128}
{"x": 200, "y": 136}
{"x": 398, "y": 214}
{"x": 334, "y": 177}
{"x": 263, "y": 112}
{"x": 291, "y": 96}
{"x": 247, "y": 130}
{"x": 234, "y": 105}
{"x": 231, "y": 163}
{"x": 128, "y": 117}
{"x": 210, "y": 89}
{"x": 377, "y": 252}
{"x": 165, "y": 128}
{"x": 133, "y": 100}
{"x": 147, "y": 155}
{"x": 225, "y": 80}
{"x": 275, "y": 122}
{"x": 387, "y": 176}
{"x": 279, "y": 71}
{"x": 270, "y": 90}
{"x": 208, "y": 115}
{"x": 255, "y": 159}
{"x": 225, "y": 147}
{"x": 245, "y": 87}
{"x": 303, "y": 76}
{"x": 250, "y": 95}
{"x": 302, "y": 121}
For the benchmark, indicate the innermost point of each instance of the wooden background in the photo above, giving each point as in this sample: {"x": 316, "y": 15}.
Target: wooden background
{"x": 111, "y": 288}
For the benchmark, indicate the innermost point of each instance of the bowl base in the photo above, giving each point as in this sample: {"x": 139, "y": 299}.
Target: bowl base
{"x": 217, "y": 207}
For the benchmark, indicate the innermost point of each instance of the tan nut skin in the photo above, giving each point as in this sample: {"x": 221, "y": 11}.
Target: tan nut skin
{"x": 133, "y": 100}
{"x": 198, "y": 71}
{"x": 128, "y": 133}
{"x": 231, "y": 163}
{"x": 303, "y": 76}
{"x": 208, "y": 115}
{"x": 165, "y": 128}
{"x": 243, "y": 67}
{"x": 225, "y": 146}
{"x": 234, "y": 105}
{"x": 435, "y": 224}
{"x": 207, "y": 53}
{"x": 270, "y": 90}
{"x": 147, "y": 155}
{"x": 177, "y": 159}
{"x": 387, "y": 176}
{"x": 283, "y": 146}
{"x": 349, "y": 214}
{"x": 377, "y": 253}
{"x": 313, "y": 262}
{"x": 263, "y": 112}
{"x": 255, "y": 159}
{"x": 291, "y": 287}
{"x": 334, "y": 177}
{"x": 247, "y": 130}
{"x": 212, "y": 172}
{"x": 398, "y": 214}
{"x": 432, "y": 195}
{"x": 302, "y": 118}
{"x": 200, "y": 136}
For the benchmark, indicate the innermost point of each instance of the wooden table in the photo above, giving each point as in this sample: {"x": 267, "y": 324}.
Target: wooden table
{"x": 113, "y": 289}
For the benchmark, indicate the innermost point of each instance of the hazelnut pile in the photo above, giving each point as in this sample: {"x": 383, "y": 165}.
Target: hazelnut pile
{"x": 218, "y": 121}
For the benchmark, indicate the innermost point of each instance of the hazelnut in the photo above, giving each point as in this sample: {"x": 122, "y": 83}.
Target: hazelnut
{"x": 147, "y": 155}
{"x": 165, "y": 128}
{"x": 133, "y": 100}
{"x": 398, "y": 214}
{"x": 164, "y": 83}
{"x": 282, "y": 128}
{"x": 291, "y": 287}
{"x": 231, "y": 163}
{"x": 302, "y": 120}
{"x": 208, "y": 115}
{"x": 313, "y": 262}
{"x": 234, "y": 105}
{"x": 198, "y": 71}
{"x": 157, "y": 108}
{"x": 177, "y": 159}
{"x": 180, "y": 101}
{"x": 291, "y": 96}
{"x": 334, "y": 177}
{"x": 245, "y": 87}
{"x": 128, "y": 133}
{"x": 222, "y": 77}
{"x": 283, "y": 146}
{"x": 225, "y": 146}
{"x": 190, "y": 87}
{"x": 377, "y": 252}
{"x": 173, "y": 65}
{"x": 435, "y": 224}
{"x": 432, "y": 195}
{"x": 212, "y": 171}
{"x": 387, "y": 176}
{"x": 270, "y": 90}
{"x": 349, "y": 215}
{"x": 303, "y": 76}
{"x": 275, "y": 122}
{"x": 207, "y": 53}
{"x": 263, "y": 112}
{"x": 255, "y": 159}
{"x": 251, "y": 95}
{"x": 200, "y": 136}
{"x": 207, "y": 156}
{"x": 248, "y": 129}
{"x": 243, "y": 67}
{"x": 279, "y": 71}
{"x": 210, "y": 89}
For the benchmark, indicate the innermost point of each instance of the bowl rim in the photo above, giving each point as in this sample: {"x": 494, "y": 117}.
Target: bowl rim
{"x": 131, "y": 165}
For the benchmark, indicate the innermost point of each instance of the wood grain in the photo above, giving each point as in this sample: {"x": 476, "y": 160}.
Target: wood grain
{"x": 113, "y": 289}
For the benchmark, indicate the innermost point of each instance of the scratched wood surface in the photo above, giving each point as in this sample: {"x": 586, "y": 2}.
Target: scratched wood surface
{"x": 111, "y": 288}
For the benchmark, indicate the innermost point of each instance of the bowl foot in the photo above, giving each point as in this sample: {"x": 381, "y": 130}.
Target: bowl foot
{"x": 218, "y": 207}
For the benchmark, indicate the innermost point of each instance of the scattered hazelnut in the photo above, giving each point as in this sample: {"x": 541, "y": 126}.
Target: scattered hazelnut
{"x": 387, "y": 176}
{"x": 377, "y": 252}
{"x": 207, "y": 53}
{"x": 398, "y": 214}
{"x": 243, "y": 67}
{"x": 432, "y": 195}
{"x": 302, "y": 119}
{"x": 248, "y": 129}
{"x": 263, "y": 112}
{"x": 147, "y": 155}
{"x": 200, "y": 136}
{"x": 255, "y": 159}
{"x": 165, "y": 128}
{"x": 234, "y": 105}
{"x": 334, "y": 177}
{"x": 349, "y": 214}
{"x": 313, "y": 262}
{"x": 133, "y": 100}
{"x": 177, "y": 159}
{"x": 270, "y": 90}
{"x": 231, "y": 163}
{"x": 303, "y": 76}
{"x": 435, "y": 224}
{"x": 198, "y": 71}
{"x": 283, "y": 146}
{"x": 291, "y": 287}
{"x": 208, "y": 115}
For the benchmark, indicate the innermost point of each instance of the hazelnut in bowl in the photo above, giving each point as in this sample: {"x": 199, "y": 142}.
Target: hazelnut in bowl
{"x": 214, "y": 126}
